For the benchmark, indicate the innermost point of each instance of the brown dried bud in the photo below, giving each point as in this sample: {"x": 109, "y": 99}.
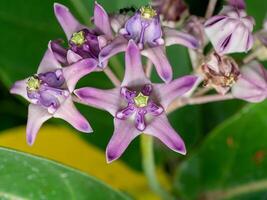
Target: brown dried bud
{"x": 171, "y": 10}
{"x": 220, "y": 72}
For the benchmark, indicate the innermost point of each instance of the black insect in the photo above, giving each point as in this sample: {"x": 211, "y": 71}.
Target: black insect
{"x": 126, "y": 10}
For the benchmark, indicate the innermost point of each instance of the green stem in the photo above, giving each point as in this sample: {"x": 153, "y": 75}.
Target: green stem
{"x": 149, "y": 167}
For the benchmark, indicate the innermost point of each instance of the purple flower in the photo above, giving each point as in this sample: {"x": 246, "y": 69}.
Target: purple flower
{"x": 84, "y": 42}
{"x": 49, "y": 93}
{"x": 220, "y": 72}
{"x": 252, "y": 85}
{"x": 138, "y": 106}
{"x": 231, "y": 30}
{"x": 146, "y": 30}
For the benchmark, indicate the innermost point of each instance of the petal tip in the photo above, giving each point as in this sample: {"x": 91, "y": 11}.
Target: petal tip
{"x": 30, "y": 140}
{"x": 59, "y": 7}
{"x": 85, "y": 127}
{"x": 110, "y": 157}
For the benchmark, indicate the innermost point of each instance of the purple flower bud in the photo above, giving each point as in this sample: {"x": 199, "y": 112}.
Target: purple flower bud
{"x": 220, "y": 72}
{"x": 170, "y": 10}
{"x": 144, "y": 28}
{"x": 230, "y": 31}
{"x": 252, "y": 84}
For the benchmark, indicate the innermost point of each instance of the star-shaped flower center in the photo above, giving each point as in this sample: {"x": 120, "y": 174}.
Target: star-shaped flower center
{"x": 147, "y": 12}
{"x": 141, "y": 100}
{"x": 33, "y": 83}
{"x": 78, "y": 38}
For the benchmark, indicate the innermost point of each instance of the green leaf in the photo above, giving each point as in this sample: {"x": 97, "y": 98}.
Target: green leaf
{"x": 232, "y": 160}
{"x": 24, "y": 176}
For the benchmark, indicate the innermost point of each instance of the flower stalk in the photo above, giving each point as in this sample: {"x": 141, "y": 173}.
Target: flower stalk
{"x": 197, "y": 100}
{"x": 149, "y": 167}
{"x": 210, "y": 9}
{"x": 112, "y": 77}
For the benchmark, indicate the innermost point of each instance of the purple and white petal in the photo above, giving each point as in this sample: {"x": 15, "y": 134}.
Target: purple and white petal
{"x": 172, "y": 36}
{"x": 230, "y": 31}
{"x": 123, "y": 134}
{"x": 161, "y": 129}
{"x": 134, "y": 72}
{"x": 20, "y": 88}
{"x": 76, "y": 71}
{"x": 69, "y": 113}
{"x": 101, "y": 20}
{"x": 37, "y": 115}
{"x": 119, "y": 44}
{"x": 67, "y": 21}
{"x": 178, "y": 87}
{"x": 252, "y": 85}
{"x": 49, "y": 61}
{"x": 108, "y": 100}
{"x": 158, "y": 57}
{"x": 73, "y": 57}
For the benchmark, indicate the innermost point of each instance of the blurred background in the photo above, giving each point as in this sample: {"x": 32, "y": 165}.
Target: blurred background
{"x": 226, "y": 141}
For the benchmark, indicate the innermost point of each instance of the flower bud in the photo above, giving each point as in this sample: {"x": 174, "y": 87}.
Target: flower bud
{"x": 171, "y": 10}
{"x": 230, "y": 31}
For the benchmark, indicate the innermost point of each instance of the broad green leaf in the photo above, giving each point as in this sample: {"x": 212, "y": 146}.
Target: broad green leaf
{"x": 24, "y": 176}
{"x": 232, "y": 160}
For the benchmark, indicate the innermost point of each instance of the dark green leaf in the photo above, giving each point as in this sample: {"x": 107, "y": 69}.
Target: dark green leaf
{"x": 232, "y": 158}
{"x": 28, "y": 177}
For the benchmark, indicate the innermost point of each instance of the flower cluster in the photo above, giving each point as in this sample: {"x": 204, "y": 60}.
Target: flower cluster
{"x": 138, "y": 105}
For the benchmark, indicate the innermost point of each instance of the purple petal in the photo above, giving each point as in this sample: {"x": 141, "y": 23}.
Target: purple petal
{"x": 119, "y": 44}
{"x": 252, "y": 85}
{"x": 158, "y": 57}
{"x": 240, "y": 4}
{"x": 73, "y": 57}
{"x": 37, "y": 115}
{"x": 67, "y": 21}
{"x": 124, "y": 133}
{"x": 140, "y": 123}
{"x": 76, "y": 71}
{"x": 161, "y": 129}
{"x": 154, "y": 109}
{"x": 173, "y": 36}
{"x": 69, "y": 113}
{"x": 20, "y": 88}
{"x": 101, "y": 20}
{"x": 178, "y": 87}
{"x": 59, "y": 52}
{"x": 103, "y": 99}
{"x": 49, "y": 62}
{"x": 126, "y": 112}
{"x": 134, "y": 72}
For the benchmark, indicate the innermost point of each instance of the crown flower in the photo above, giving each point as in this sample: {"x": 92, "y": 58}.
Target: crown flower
{"x": 138, "y": 106}
{"x": 49, "y": 92}
{"x": 145, "y": 29}
{"x": 84, "y": 42}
